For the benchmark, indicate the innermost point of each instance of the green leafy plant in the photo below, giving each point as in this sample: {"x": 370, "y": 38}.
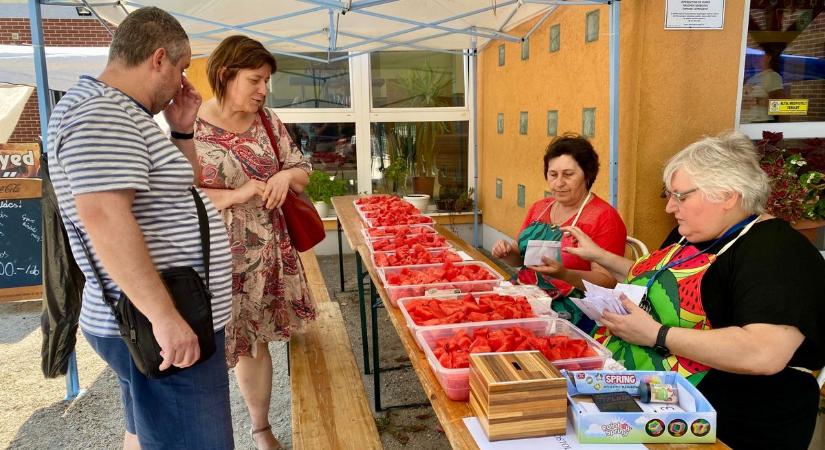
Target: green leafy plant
{"x": 322, "y": 186}
{"x": 797, "y": 175}
{"x": 424, "y": 89}
{"x": 396, "y": 173}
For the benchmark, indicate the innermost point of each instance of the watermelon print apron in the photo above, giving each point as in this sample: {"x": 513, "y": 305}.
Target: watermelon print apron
{"x": 673, "y": 278}
{"x": 545, "y": 231}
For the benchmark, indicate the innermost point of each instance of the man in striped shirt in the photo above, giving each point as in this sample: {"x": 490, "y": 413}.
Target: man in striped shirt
{"x": 125, "y": 186}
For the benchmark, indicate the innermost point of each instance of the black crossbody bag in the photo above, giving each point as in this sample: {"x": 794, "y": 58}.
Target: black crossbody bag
{"x": 191, "y": 297}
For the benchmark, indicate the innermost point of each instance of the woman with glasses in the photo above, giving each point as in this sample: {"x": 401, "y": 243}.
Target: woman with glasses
{"x": 734, "y": 299}
{"x": 570, "y": 168}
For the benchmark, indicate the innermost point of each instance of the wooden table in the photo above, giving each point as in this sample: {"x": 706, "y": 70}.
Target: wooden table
{"x": 450, "y": 414}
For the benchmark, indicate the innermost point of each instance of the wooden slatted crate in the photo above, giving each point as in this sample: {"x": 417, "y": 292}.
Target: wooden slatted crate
{"x": 517, "y": 395}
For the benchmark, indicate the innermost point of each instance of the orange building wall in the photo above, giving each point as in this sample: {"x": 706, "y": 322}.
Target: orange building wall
{"x": 675, "y": 86}
{"x": 196, "y": 73}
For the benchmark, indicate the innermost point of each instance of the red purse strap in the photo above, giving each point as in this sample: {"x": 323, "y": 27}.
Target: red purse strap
{"x": 271, "y": 133}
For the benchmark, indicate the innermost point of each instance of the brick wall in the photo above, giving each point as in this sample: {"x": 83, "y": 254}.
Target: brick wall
{"x": 57, "y": 33}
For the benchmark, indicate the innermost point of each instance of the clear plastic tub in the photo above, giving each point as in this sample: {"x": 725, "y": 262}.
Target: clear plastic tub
{"x": 456, "y": 382}
{"x": 370, "y": 241}
{"x": 419, "y": 290}
{"x": 435, "y": 252}
{"x": 421, "y": 220}
{"x": 391, "y": 231}
{"x": 402, "y": 305}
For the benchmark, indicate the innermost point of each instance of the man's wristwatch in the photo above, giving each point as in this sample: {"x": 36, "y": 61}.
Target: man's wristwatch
{"x": 179, "y": 135}
{"x": 660, "y": 346}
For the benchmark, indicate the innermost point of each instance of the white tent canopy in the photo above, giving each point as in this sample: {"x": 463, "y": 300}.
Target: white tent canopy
{"x": 12, "y": 101}
{"x": 290, "y": 26}
{"x": 65, "y": 64}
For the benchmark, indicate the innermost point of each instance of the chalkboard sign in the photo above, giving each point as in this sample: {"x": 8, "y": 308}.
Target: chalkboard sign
{"x": 21, "y": 240}
{"x": 21, "y": 243}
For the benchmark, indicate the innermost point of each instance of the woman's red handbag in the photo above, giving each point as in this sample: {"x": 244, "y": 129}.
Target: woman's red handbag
{"x": 304, "y": 225}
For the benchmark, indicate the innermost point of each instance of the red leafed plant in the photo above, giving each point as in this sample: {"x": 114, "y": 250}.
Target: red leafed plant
{"x": 797, "y": 177}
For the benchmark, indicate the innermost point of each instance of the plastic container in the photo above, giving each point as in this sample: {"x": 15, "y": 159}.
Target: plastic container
{"x": 434, "y": 251}
{"x": 403, "y": 302}
{"x": 420, "y": 220}
{"x": 420, "y": 290}
{"x": 370, "y": 241}
{"x": 412, "y": 230}
{"x": 365, "y": 213}
{"x": 456, "y": 382}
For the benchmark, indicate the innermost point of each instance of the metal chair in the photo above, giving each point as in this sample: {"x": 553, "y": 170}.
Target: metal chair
{"x": 637, "y": 247}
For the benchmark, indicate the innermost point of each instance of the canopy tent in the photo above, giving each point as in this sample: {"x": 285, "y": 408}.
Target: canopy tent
{"x": 13, "y": 99}
{"x": 65, "y": 64}
{"x": 354, "y": 27}
{"x": 289, "y": 26}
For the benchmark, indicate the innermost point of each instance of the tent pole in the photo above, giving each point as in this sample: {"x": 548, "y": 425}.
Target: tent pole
{"x": 41, "y": 77}
{"x": 613, "y": 7}
{"x": 474, "y": 125}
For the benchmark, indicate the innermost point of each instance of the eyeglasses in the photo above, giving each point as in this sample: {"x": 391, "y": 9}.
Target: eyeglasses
{"x": 678, "y": 196}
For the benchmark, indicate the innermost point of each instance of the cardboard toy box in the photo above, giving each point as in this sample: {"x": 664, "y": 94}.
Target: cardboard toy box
{"x": 692, "y": 420}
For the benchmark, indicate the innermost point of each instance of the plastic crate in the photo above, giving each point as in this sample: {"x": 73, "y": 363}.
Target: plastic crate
{"x": 420, "y": 290}
{"x": 456, "y": 382}
{"x": 402, "y": 305}
{"x": 434, "y": 251}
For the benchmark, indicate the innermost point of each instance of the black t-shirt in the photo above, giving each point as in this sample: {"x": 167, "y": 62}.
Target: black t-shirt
{"x": 772, "y": 275}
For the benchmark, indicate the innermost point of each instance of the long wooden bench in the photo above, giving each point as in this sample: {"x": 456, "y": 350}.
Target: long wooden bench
{"x": 329, "y": 405}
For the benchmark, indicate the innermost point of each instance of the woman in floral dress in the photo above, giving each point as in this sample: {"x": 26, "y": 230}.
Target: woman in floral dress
{"x": 248, "y": 183}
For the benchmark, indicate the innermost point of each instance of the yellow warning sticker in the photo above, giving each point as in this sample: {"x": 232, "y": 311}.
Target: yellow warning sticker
{"x": 788, "y": 107}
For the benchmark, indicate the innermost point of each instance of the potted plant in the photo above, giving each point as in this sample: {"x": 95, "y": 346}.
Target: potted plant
{"x": 424, "y": 89}
{"x": 321, "y": 188}
{"x": 797, "y": 174}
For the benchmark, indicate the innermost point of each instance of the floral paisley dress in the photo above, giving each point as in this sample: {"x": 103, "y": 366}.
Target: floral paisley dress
{"x": 270, "y": 297}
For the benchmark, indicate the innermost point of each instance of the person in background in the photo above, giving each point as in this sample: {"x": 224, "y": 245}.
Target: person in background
{"x": 126, "y": 188}
{"x": 248, "y": 184}
{"x": 734, "y": 299}
{"x": 761, "y": 88}
{"x": 570, "y": 168}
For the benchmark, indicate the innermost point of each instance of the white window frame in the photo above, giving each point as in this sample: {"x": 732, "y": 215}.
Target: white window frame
{"x": 789, "y": 130}
{"x": 363, "y": 115}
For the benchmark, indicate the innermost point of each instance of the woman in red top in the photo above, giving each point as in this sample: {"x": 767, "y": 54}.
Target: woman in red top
{"x": 570, "y": 168}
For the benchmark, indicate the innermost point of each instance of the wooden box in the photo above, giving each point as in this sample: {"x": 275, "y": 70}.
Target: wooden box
{"x": 517, "y": 395}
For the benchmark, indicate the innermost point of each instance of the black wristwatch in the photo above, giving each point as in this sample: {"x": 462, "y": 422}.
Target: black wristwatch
{"x": 182, "y": 136}
{"x": 660, "y": 346}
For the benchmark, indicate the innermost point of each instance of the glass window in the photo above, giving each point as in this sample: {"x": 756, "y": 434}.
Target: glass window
{"x": 525, "y": 49}
{"x": 499, "y": 188}
{"x": 552, "y": 123}
{"x": 330, "y": 148}
{"x": 501, "y": 55}
{"x": 555, "y": 37}
{"x": 500, "y": 123}
{"x": 522, "y": 122}
{"x": 589, "y": 122}
{"x": 301, "y": 83}
{"x": 420, "y": 157}
{"x": 417, "y": 79}
{"x": 784, "y": 71}
{"x": 520, "y": 196}
{"x": 592, "y": 26}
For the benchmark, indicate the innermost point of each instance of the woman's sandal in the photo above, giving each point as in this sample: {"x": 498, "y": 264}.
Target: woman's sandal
{"x": 278, "y": 445}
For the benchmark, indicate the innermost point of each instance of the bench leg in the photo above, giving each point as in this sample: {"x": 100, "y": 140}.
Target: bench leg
{"x": 375, "y": 303}
{"x": 340, "y": 255}
{"x": 359, "y": 268}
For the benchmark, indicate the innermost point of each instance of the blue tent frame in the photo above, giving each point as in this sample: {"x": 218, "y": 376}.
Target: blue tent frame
{"x": 362, "y": 7}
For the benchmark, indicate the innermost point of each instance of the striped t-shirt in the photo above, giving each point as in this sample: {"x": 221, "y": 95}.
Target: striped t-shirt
{"x": 100, "y": 139}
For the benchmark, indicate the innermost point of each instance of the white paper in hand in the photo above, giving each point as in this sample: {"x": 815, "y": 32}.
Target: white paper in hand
{"x": 538, "y": 249}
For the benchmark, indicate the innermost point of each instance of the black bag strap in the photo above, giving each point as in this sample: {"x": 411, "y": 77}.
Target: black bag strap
{"x": 203, "y": 224}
